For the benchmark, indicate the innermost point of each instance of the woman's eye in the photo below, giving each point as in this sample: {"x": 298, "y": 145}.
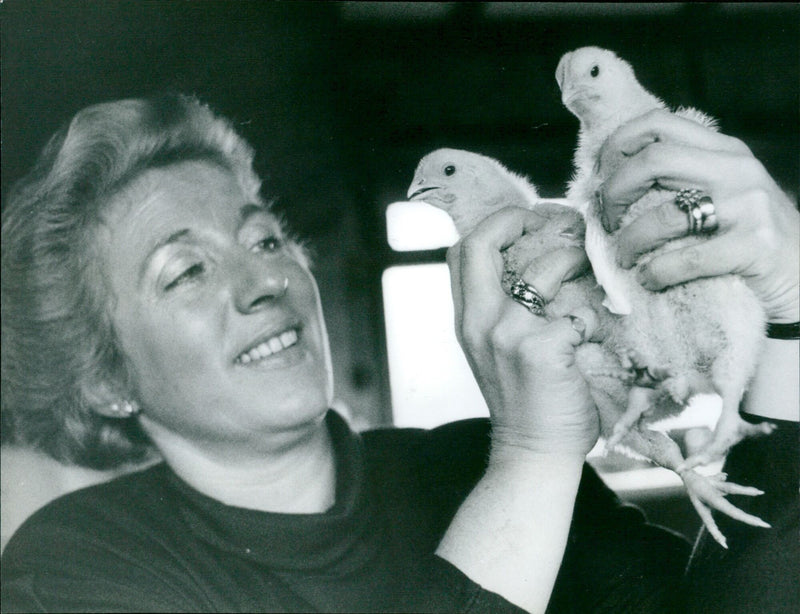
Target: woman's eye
{"x": 595, "y": 70}
{"x": 188, "y": 275}
{"x": 269, "y": 244}
{"x": 449, "y": 170}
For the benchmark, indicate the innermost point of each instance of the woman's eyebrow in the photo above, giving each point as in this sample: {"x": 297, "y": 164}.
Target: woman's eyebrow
{"x": 173, "y": 238}
{"x": 251, "y": 209}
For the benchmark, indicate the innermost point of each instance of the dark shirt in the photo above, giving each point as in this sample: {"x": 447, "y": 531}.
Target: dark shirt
{"x": 149, "y": 542}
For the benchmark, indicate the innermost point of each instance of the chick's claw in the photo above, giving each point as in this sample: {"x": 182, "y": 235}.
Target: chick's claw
{"x": 708, "y": 492}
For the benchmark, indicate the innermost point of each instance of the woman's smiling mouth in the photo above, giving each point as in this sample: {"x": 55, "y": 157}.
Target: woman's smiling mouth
{"x": 269, "y": 347}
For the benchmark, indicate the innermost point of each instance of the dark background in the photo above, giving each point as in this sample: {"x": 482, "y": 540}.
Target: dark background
{"x": 341, "y": 99}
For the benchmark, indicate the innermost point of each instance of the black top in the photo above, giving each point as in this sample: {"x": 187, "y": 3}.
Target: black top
{"x": 149, "y": 542}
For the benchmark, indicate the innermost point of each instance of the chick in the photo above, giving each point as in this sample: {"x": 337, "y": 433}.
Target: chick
{"x": 469, "y": 187}
{"x": 701, "y": 336}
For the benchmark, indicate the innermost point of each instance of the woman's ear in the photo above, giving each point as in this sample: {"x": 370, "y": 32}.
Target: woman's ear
{"x": 105, "y": 400}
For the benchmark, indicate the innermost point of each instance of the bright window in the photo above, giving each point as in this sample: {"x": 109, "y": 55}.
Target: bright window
{"x": 430, "y": 379}
{"x": 415, "y": 226}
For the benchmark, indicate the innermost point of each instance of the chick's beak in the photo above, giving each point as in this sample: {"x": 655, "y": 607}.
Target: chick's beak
{"x": 418, "y": 188}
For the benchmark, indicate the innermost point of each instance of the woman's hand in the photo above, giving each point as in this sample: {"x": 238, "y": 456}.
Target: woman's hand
{"x": 524, "y": 365}
{"x": 759, "y": 227}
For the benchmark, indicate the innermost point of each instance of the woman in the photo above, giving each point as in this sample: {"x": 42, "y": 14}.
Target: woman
{"x": 153, "y": 305}
{"x": 758, "y": 238}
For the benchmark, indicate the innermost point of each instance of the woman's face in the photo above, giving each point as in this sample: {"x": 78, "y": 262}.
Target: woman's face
{"x": 217, "y": 314}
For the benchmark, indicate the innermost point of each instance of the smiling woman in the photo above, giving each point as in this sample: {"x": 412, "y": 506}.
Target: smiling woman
{"x": 154, "y": 305}
{"x": 208, "y": 289}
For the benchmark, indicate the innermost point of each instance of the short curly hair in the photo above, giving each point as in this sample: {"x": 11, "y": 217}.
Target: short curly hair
{"x": 57, "y": 338}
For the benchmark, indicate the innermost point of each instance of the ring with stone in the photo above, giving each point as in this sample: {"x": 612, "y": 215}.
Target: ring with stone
{"x": 528, "y": 296}
{"x": 700, "y": 210}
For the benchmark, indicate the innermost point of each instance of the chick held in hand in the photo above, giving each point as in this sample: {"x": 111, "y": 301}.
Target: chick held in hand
{"x": 470, "y": 187}
{"x": 702, "y": 336}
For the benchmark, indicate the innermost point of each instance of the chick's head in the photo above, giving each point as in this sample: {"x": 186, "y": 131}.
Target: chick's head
{"x": 462, "y": 183}
{"x": 595, "y": 83}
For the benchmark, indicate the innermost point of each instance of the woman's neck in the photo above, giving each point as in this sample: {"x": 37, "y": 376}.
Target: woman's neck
{"x": 297, "y": 477}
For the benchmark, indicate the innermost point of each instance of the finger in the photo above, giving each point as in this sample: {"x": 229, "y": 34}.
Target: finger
{"x": 481, "y": 261}
{"x": 670, "y": 167}
{"x": 553, "y": 209}
{"x": 497, "y": 232}
{"x": 710, "y": 258}
{"x": 665, "y": 127}
{"x": 667, "y": 221}
{"x": 550, "y": 208}
{"x": 547, "y": 272}
{"x": 578, "y": 325}
{"x": 650, "y": 230}
{"x": 560, "y": 338}
{"x": 589, "y": 321}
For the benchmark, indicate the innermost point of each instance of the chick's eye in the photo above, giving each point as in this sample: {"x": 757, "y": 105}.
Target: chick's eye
{"x": 188, "y": 275}
{"x": 269, "y": 244}
{"x": 595, "y": 70}
{"x": 449, "y": 170}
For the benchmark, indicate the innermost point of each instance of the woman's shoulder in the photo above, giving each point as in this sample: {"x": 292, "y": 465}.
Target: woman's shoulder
{"x": 445, "y": 461}
{"x": 120, "y": 545}
{"x": 471, "y": 429}
{"x": 458, "y": 442}
{"x": 119, "y": 506}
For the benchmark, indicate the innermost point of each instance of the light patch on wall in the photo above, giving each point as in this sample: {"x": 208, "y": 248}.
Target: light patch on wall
{"x": 415, "y": 226}
{"x": 430, "y": 379}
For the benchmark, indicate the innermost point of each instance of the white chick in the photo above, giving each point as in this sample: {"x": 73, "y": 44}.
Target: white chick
{"x": 700, "y": 336}
{"x": 470, "y": 187}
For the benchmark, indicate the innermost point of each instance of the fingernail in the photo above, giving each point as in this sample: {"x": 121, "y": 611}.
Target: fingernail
{"x": 578, "y": 324}
{"x": 644, "y": 279}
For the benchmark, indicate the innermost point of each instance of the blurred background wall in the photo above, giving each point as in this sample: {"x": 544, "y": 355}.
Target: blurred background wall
{"x": 341, "y": 99}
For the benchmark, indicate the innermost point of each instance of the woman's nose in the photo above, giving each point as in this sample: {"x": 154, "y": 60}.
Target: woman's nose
{"x": 258, "y": 283}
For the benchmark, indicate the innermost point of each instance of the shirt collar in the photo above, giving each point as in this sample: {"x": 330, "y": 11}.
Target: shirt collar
{"x": 341, "y": 538}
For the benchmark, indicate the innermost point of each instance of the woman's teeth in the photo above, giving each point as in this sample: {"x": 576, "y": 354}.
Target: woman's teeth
{"x": 269, "y": 347}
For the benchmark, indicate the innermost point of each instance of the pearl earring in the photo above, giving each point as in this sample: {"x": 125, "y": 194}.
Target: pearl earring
{"x": 126, "y": 408}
